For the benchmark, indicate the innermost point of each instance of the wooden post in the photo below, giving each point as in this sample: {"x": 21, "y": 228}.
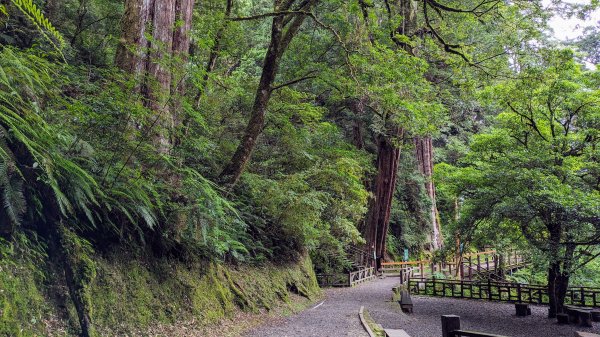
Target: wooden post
{"x": 521, "y": 309}
{"x": 450, "y": 323}
{"x": 434, "y": 291}
{"x": 585, "y": 318}
{"x": 489, "y": 289}
{"x": 422, "y": 270}
{"x": 478, "y": 263}
{"x": 471, "y": 269}
{"x": 519, "y": 292}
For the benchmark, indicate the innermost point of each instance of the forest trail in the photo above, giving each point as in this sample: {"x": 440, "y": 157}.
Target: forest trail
{"x": 337, "y": 315}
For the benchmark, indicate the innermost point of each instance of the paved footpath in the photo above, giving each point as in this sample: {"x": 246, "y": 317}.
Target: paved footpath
{"x": 338, "y": 316}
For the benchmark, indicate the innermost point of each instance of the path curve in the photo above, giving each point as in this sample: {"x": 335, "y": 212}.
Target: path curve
{"x": 338, "y": 316}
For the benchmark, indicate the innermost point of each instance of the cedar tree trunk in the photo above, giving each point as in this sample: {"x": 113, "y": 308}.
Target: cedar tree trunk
{"x": 424, "y": 156}
{"x": 376, "y": 227}
{"x": 169, "y": 23}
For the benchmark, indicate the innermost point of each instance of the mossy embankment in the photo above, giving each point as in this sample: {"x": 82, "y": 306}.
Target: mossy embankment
{"x": 132, "y": 295}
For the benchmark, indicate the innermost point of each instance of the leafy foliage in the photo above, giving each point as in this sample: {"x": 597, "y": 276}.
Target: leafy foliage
{"x": 34, "y": 14}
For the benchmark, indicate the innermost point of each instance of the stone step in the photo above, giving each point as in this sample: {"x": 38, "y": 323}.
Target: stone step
{"x": 395, "y": 333}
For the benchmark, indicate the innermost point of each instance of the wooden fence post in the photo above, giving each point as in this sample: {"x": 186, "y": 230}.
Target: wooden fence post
{"x": 471, "y": 268}
{"x": 450, "y": 323}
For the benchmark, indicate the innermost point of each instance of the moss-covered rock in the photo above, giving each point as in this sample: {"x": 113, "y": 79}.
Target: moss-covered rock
{"x": 22, "y": 303}
{"x": 127, "y": 295}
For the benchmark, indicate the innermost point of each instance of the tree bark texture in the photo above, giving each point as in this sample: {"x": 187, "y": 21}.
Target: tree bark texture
{"x": 424, "y": 156}
{"x": 559, "y": 270}
{"x": 169, "y": 23}
{"x": 283, "y": 30}
{"x": 378, "y": 219}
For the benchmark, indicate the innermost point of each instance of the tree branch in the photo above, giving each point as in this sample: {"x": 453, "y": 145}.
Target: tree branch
{"x": 292, "y": 82}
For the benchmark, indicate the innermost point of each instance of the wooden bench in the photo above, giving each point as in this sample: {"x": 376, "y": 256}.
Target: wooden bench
{"x": 451, "y": 328}
{"x": 395, "y": 333}
{"x": 406, "y": 303}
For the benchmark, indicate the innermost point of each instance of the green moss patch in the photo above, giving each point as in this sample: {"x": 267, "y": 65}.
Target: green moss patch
{"x": 22, "y": 304}
{"x": 129, "y": 296}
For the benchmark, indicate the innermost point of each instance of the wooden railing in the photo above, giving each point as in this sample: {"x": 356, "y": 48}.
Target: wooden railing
{"x": 360, "y": 276}
{"x": 500, "y": 291}
{"x": 468, "y": 266}
{"x": 346, "y": 280}
{"x": 333, "y": 280}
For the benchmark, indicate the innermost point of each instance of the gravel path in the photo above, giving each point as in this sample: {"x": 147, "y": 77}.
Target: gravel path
{"x": 338, "y": 316}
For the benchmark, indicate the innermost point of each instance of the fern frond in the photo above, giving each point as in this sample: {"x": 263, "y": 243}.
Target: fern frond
{"x": 35, "y": 15}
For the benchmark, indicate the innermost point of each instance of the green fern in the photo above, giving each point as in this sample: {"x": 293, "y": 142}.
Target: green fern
{"x": 35, "y": 15}
{"x": 11, "y": 185}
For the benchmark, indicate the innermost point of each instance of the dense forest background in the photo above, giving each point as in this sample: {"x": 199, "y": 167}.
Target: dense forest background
{"x": 263, "y": 133}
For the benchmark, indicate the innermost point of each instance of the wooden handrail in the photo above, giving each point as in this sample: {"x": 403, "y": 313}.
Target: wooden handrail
{"x": 501, "y": 291}
{"x": 401, "y": 263}
{"x": 492, "y": 251}
{"x": 404, "y": 263}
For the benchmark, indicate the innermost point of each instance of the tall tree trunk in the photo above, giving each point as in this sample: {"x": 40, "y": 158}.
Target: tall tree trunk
{"x": 388, "y": 154}
{"x": 424, "y": 156}
{"x": 376, "y": 227}
{"x": 280, "y": 40}
{"x": 169, "y": 22}
{"x": 554, "y": 269}
{"x": 559, "y": 272}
